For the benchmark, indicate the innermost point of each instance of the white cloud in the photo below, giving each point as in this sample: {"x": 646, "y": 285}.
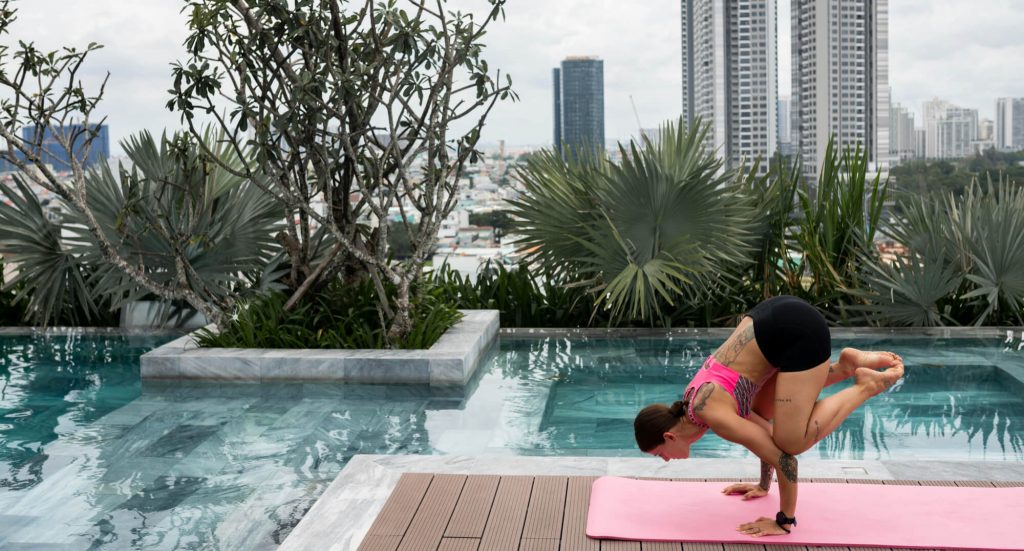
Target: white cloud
{"x": 966, "y": 52}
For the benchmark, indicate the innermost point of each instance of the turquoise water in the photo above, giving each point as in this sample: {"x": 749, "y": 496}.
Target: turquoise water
{"x": 92, "y": 459}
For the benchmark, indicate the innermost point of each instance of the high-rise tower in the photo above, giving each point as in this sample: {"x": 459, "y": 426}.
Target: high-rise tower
{"x": 579, "y": 104}
{"x": 840, "y": 51}
{"x": 730, "y": 75}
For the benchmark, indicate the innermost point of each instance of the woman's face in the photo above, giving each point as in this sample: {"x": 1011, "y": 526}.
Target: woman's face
{"x": 676, "y": 445}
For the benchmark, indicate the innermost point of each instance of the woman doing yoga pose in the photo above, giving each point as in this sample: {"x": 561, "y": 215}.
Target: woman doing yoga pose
{"x": 760, "y": 390}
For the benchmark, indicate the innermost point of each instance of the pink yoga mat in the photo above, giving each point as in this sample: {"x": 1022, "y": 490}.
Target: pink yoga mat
{"x": 872, "y": 515}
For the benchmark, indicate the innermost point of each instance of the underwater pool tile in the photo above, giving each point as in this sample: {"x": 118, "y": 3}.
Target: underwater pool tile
{"x": 179, "y": 441}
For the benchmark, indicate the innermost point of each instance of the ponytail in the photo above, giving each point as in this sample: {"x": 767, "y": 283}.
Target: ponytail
{"x": 655, "y": 420}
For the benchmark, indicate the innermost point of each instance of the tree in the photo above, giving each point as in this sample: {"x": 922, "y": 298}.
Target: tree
{"x": 338, "y": 99}
{"x": 41, "y": 91}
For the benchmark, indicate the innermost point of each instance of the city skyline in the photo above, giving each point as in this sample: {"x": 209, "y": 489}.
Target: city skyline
{"x": 941, "y": 48}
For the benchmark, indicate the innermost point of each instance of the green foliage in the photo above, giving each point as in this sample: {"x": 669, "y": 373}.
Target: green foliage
{"x": 940, "y": 177}
{"x": 181, "y": 220}
{"x": 400, "y": 240}
{"x": 53, "y": 283}
{"x": 965, "y": 263}
{"x": 524, "y": 298}
{"x": 497, "y": 219}
{"x": 12, "y": 311}
{"x": 341, "y": 316}
{"x": 662, "y": 229}
{"x": 838, "y": 222}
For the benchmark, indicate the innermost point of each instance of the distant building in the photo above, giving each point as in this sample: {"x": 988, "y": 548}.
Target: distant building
{"x": 920, "y": 141}
{"x": 52, "y": 153}
{"x": 903, "y": 142}
{"x": 957, "y": 131}
{"x": 840, "y": 53}
{"x": 579, "y": 104}
{"x": 1009, "y": 130}
{"x": 987, "y": 130}
{"x": 556, "y": 77}
{"x": 785, "y": 126}
{"x": 934, "y": 111}
{"x": 730, "y": 76}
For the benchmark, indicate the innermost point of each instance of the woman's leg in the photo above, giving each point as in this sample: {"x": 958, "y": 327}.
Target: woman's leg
{"x": 851, "y": 358}
{"x": 801, "y": 420}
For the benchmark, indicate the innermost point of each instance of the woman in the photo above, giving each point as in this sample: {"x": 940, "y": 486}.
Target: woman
{"x": 760, "y": 389}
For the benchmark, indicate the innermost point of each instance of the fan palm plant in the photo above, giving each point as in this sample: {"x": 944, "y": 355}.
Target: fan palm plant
{"x": 173, "y": 213}
{"x": 647, "y": 235}
{"x": 965, "y": 260}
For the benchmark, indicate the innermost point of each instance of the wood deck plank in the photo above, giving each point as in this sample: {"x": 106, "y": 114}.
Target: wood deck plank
{"x": 619, "y": 545}
{"x": 380, "y": 543}
{"x": 459, "y": 544}
{"x": 1008, "y": 483}
{"x": 744, "y": 547}
{"x": 974, "y": 484}
{"x": 401, "y": 506}
{"x": 703, "y": 546}
{"x": 429, "y": 523}
{"x": 574, "y": 521}
{"x": 473, "y": 507}
{"x": 547, "y": 505}
{"x": 539, "y": 544}
{"x": 660, "y": 546}
{"x": 504, "y": 526}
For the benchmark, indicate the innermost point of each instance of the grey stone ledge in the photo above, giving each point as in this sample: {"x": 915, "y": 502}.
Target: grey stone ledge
{"x": 452, "y": 360}
{"x": 721, "y": 332}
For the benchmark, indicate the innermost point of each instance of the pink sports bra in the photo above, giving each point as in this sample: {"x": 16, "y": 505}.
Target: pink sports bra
{"x": 741, "y": 388}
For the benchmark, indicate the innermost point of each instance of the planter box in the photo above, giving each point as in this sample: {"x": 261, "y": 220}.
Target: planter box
{"x": 452, "y": 360}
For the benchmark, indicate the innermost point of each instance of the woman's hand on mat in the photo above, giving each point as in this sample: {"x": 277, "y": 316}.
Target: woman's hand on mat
{"x": 749, "y": 491}
{"x": 763, "y": 526}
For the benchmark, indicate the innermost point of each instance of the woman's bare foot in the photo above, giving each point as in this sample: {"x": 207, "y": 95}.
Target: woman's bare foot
{"x": 876, "y": 382}
{"x": 851, "y": 358}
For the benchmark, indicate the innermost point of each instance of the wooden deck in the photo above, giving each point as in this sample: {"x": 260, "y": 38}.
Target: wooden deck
{"x": 442, "y": 512}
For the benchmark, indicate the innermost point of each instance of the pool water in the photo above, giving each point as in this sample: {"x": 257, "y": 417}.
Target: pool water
{"x": 90, "y": 458}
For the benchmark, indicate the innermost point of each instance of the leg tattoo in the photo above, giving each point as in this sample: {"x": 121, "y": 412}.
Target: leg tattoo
{"x": 787, "y": 466}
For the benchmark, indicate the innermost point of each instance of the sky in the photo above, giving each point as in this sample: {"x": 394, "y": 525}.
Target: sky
{"x": 961, "y": 51}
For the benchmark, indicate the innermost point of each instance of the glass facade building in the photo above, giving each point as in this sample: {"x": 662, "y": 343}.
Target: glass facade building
{"x": 52, "y": 153}
{"x": 579, "y": 104}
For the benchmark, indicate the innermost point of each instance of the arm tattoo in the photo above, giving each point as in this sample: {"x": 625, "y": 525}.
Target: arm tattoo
{"x": 736, "y": 344}
{"x": 787, "y": 466}
{"x": 702, "y": 399}
{"x": 766, "y": 475}
{"x": 817, "y": 431}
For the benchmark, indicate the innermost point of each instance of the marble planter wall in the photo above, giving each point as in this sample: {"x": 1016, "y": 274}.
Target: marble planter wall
{"x": 450, "y": 361}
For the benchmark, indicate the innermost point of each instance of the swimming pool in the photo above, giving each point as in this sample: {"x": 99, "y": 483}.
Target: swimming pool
{"x": 92, "y": 458}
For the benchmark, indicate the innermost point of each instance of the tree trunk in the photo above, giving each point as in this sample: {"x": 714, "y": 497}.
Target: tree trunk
{"x": 401, "y": 323}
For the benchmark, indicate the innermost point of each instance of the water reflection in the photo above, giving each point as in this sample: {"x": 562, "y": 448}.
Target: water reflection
{"x": 958, "y": 400}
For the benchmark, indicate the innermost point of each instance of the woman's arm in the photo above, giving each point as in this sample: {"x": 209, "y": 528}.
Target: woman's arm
{"x": 736, "y": 429}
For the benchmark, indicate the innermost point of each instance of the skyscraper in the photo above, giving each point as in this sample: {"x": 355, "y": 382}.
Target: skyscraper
{"x": 556, "y": 77}
{"x": 730, "y": 77}
{"x": 1009, "y": 124}
{"x": 903, "y": 136}
{"x": 52, "y": 153}
{"x": 579, "y": 104}
{"x": 840, "y": 52}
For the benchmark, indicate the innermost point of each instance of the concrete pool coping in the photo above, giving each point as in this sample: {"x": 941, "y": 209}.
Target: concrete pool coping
{"x": 1008, "y": 333}
{"x": 451, "y": 360}
{"x": 345, "y": 511}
